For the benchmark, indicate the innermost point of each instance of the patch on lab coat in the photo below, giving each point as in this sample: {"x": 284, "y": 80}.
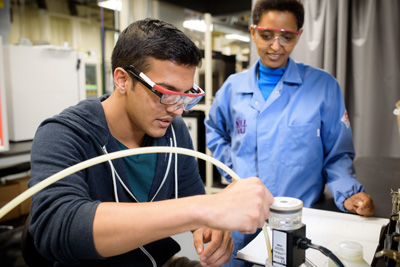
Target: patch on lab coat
{"x": 241, "y": 126}
{"x": 345, "y": 119}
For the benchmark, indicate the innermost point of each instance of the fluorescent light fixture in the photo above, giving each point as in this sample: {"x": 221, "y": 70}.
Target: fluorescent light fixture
{"x": 197, "y": 25}
{"x": 111, "y": 4}
{"x": 237, "y": 37}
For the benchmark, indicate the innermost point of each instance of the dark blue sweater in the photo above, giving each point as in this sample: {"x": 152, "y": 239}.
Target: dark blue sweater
{"x": 62, "y": 214}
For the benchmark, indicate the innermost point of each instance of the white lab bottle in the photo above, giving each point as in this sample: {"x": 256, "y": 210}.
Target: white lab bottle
{"x": 350, "y": 254}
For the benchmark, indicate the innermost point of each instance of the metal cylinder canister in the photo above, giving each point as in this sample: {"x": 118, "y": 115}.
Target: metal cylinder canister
{"x": 285, "y": 213}
{"x": 287, "y": 228}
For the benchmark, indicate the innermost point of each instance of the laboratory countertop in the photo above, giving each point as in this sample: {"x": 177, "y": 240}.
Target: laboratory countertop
{"x": 378, "y": 175}
{"x": 16, "y": 159}
{"x": 17, "y": 148}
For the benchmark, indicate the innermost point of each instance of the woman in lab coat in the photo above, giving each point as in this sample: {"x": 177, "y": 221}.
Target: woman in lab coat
{"x": 285, "y": 121}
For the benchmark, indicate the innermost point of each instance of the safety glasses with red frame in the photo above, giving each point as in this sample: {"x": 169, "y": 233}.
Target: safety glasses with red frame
{"x": 167, "y": 97}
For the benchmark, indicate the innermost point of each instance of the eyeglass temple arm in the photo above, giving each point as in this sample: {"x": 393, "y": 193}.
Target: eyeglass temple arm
{"x": 132, "y": 68}
{"x": 135, "y": 73}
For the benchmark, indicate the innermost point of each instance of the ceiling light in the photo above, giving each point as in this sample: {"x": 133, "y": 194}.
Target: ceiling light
{"x": 237, "y": 37}
{"x": 197, "y": 25}
{"x": 111, "y": 4}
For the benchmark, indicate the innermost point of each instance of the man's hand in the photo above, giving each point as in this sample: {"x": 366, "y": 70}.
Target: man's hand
{"x": 361, "y": 204}
{"x": 219, "y": 249}
{"x": 243, "y": 205}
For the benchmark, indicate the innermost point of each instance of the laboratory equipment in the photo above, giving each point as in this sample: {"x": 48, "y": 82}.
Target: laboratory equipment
{"x": 394, "y": 256}
{"x": 287, "y": 229}
{"x": 4, "y": 144}
{"x": 391, "y": 250}
{"x": 394, "y": 225}
{"x": 289, "y": 240}
{"x": 351, "y": 255}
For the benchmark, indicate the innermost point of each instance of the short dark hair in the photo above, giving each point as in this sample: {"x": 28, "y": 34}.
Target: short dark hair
{"x": 293, "y": 6}
{"x": 156, "y": 39}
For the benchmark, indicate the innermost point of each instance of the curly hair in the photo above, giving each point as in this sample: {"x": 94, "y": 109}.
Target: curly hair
{"x": 293, "y": 6}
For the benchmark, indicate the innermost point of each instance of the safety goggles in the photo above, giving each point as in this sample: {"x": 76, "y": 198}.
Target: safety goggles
{"x": 168, "y": 97}
{"x": 285, "y": 37}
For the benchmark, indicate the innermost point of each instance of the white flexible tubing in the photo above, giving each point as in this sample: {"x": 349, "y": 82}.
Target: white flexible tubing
{"x": 119, "y": 154}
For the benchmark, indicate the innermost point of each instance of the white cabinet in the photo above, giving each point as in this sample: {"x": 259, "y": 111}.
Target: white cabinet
{"x": 40, "y": 82}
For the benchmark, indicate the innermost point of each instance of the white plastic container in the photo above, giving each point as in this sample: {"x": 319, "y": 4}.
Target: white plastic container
{"x": 350, "y": 254}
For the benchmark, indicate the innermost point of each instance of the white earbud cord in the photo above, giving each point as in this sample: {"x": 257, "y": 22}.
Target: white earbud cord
{"x": 165, "y": 175}
{"x": 176, "y": 163}
{"x": 114, "y": 172}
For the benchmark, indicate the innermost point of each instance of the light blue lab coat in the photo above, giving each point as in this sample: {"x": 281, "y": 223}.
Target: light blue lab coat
{"x": 295, "y": 141}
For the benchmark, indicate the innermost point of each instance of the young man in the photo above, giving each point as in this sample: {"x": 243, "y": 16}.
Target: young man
{"x": 284, "y": 121}
{"x": 122, "y": 212}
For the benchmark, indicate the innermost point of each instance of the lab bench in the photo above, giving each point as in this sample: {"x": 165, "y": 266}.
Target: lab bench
{"x": 378, "y": 175}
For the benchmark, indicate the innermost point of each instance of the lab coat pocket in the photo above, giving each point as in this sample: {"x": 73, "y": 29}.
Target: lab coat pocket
{"x": 300, "y": 145}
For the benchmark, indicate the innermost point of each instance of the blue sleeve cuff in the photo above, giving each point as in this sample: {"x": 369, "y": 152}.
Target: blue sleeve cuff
{"x": 340, "y": 198}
